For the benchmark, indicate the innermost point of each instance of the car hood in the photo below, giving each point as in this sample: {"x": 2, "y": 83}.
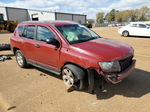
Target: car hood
{"x": 104, "y": 49}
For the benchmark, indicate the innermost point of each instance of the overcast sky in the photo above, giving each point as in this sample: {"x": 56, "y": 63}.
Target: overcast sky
{"x": 88, "y": 7}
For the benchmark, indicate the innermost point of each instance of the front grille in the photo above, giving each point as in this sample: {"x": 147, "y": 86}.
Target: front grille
{"x": 125, "y": 63}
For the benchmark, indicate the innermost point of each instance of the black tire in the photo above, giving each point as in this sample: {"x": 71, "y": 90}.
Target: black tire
{"x": 79, "y": 81}
{"x": 4, "y": 47}
{"x": 91, "y": 80}
{"x": 20, "y": 59}
{"x": 125, "y": 33}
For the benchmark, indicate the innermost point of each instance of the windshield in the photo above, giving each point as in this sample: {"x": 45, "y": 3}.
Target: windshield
{"x": 77, "y": 33}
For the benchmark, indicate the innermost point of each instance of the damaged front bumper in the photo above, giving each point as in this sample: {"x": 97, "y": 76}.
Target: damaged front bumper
{"x": 115, "y": 78}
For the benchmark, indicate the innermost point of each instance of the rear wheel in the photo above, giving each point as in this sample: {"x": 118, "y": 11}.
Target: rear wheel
{"x": 21, "y": 61}
{"x": 69, "y": 76}
{"x": 125, "y": 33}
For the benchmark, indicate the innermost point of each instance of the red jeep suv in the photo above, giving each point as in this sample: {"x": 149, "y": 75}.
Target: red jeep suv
{"x": 72, "y": 51}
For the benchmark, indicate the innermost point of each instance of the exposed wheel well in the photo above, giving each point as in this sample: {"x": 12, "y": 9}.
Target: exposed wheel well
{"x": 75, "y": 65}
{"x": 125, "y": 31}
{"x": 83, "y": 68}
{"x": 15, "y": 49}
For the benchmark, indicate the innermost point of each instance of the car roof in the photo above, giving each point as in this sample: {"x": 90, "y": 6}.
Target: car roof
{"x": 139, "y": 22}
{"x": 55, "y": 23}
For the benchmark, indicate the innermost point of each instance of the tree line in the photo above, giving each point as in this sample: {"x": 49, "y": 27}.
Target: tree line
{"x": 142, "y": 14}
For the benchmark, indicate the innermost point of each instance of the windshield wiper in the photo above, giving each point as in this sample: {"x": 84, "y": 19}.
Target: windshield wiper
{"x": 88, "y": 39}
{"x": 83, "y": 40}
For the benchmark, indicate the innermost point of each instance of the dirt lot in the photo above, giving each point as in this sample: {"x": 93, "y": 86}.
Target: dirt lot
{"x": 33, "y": 90}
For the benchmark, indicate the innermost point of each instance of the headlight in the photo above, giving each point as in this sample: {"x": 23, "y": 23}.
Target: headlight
{"x": 111, "y": 66}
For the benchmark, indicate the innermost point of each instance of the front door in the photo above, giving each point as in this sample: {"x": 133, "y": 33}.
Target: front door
{"x": 46, "y": 54}
{"x": 143, "y": 30}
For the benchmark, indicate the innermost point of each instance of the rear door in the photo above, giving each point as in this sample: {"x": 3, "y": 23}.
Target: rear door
{"x": 133, "y": 29}
{"x": 28, "y": 37}
{"x": 46, "y": 54}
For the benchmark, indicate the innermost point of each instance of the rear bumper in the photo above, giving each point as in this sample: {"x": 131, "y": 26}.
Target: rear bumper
{"x": 116, "y": 78}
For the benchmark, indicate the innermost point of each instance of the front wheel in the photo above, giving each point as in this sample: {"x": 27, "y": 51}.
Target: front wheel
{"x": 70, "y": 77}
{"x": 125, "y": 33}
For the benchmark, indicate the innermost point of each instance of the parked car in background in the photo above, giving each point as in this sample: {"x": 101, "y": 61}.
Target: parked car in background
{"x": 135, "y": 29}
{"x": 119, "y": 24}
{"x": 112, "y": 25}
{"x": 72, "y": 51}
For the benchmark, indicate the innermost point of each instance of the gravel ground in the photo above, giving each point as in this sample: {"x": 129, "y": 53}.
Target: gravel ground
{"x": 35, "y": 90}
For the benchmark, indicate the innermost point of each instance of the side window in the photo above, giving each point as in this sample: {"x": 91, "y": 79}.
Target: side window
{"x": 133, "y": 25}
{"x": 20, "y": 30}
{"x": 142, "y": 26}
{"x": 44, "y": 33}
{"x": 29, "y": 32}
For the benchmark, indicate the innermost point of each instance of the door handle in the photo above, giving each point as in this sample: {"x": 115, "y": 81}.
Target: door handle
{"x": 37, "y": 46}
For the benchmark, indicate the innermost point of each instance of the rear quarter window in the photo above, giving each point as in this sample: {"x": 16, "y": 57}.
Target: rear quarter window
{"x": 20, "y": 30}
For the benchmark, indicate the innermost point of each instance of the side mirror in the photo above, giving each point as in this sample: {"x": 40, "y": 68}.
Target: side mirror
{"x": 53, "y": 41}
